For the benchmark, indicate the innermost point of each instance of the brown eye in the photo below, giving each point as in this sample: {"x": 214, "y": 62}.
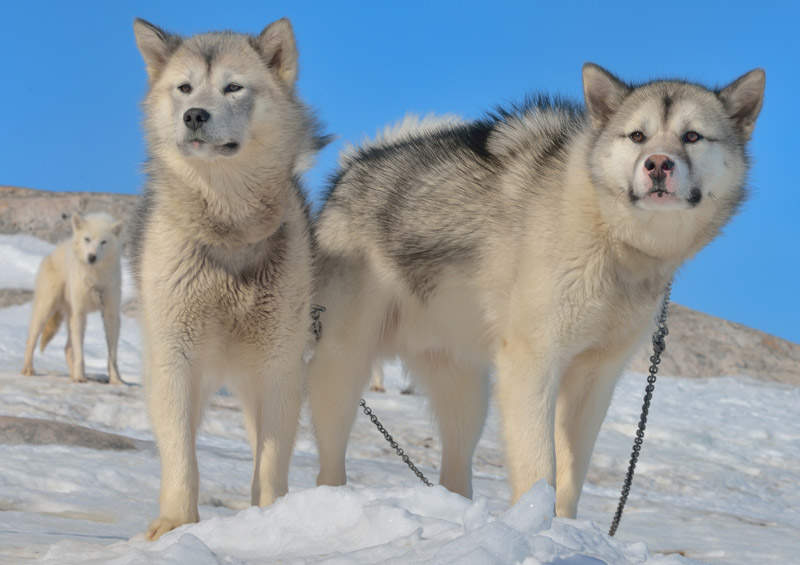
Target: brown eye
{"x": 637, "y": 137}
{"x": 691, "y": 137}
{"x": 232, "y": 87}
{"x": 186, "y": 88}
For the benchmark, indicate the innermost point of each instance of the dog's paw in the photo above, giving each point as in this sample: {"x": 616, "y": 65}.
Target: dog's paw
{"x": 161, "y": 526}
{"x": 116, "y": 380}
{"x": 79, "y": 379}
{"x": 377, "y": 388}
{"x": 27, "y": 371}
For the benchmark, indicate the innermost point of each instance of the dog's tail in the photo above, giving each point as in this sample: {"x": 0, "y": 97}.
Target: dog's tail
{"x": 50, "y": 329}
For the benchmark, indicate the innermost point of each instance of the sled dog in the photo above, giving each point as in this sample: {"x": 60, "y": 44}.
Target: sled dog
{"x": 536, "y": 243}
{"x": 222, "y": 249}
{"x": 80, "y": 276}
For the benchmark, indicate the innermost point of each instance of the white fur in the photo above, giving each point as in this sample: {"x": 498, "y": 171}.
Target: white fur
{"x": 69, "y": 286}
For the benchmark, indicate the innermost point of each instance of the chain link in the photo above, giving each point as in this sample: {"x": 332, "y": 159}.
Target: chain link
{"x": 659, "y": 345}
{"x": 316, "y": 323}
{"x": 399, "y": 450}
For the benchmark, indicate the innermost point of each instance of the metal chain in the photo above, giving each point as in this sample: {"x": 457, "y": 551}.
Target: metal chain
{"x": 316, "y": 324}
{"x": 659, "y": 345}
{"x": 399, "y": 450}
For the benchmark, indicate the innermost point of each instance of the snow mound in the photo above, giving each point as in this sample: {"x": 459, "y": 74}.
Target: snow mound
{"x": 396, "y": 525}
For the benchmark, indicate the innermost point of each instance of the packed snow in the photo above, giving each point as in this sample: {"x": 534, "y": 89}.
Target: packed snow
{"x": 717, "y": 481}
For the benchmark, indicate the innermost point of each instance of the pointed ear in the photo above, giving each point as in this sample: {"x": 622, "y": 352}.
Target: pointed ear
{"x": 155, "y": 45}
{"x": 603, "y": 93}
{"x": 743, "y": 99}
{"x": 77, "y": 222}
{"x": 116, "y": 229}
{"x": 277, "y": 47}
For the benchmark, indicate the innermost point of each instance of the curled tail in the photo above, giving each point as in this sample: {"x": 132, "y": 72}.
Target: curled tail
{"x": 50, "y": 329}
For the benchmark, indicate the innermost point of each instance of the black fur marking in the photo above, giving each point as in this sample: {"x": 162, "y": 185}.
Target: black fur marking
{"x": 667, "y": 107}
{"x": 421, "y": 260}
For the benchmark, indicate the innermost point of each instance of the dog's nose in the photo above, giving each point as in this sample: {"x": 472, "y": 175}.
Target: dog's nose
{"x": 92, "y": 257}
{"x": 658, "y": 166}
{"x": 194, "y": 118}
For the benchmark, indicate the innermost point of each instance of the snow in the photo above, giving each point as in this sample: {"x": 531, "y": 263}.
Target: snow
{"x": 717, "y": 480}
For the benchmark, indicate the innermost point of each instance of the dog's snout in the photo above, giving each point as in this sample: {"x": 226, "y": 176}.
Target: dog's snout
{"x": 194, "y": 118}
{"x": 92, "y": 257}
{"x": 658, "y": 166}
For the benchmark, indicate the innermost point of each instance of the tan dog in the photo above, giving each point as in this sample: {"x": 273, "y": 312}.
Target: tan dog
{"x": 537, "y": 242}
{"x": 222, "y": 250}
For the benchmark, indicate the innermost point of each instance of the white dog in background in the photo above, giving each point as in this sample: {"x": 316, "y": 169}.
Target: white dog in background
{"x": 82, "y": 275}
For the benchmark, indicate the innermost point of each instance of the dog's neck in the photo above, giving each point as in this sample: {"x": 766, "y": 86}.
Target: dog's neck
{"x": 230, "y": 209}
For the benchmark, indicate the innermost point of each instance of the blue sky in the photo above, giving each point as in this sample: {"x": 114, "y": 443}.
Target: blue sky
{"x": 73, "y": 79}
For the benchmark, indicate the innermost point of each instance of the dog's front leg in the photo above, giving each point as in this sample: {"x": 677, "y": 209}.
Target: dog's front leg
{"x": 77, "y": 328}
{"x": 111, "y": 320}
{"x": 175, "y": 406}
{"x": 527, "y": 387}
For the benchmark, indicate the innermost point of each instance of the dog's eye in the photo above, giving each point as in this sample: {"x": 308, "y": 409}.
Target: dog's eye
{"x": 103, "y": 242}
{"x": 86, "y": 239}
{"x": 186, "y": 88}
{"x": 691, "y": 137}
{"x": 232, "y": 87}
{"x": 637, "y": 137}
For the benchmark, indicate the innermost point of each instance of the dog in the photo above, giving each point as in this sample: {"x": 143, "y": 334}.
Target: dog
{"x": 80, "y": 276}
{"x": 222, "y": 249}
{"x": 537, "y": 243}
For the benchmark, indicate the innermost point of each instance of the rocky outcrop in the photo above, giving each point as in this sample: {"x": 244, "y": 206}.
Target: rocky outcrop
{"x": 700, "y": 345}
{"x": 46, "y": 214}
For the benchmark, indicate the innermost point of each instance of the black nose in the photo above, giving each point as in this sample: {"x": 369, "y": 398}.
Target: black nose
{"x": 194, "y": 118}
{"x": 92, "y": 257}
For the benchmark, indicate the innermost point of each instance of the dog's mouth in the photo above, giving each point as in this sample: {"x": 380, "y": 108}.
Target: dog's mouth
{"x": 659, "y": 197}
{"x": 197, "y": 146}
{"x": 227, "y": 148}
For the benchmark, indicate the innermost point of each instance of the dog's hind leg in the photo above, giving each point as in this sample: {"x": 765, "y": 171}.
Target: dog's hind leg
{"x": 45, "y": 304}
{"x": 340, "y": 368}
{"x": 111, "y": 324}
{"x": 459, "y": 396}
{"x": 271, "y": 404}
{"x": 338, "y": 374}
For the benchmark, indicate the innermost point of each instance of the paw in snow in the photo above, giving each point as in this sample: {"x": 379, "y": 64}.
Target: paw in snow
{"x": 162, "y": 525}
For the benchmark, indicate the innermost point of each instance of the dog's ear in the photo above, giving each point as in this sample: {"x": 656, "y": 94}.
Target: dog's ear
{"x": 116, "y": 229}
{"x": 743, "y": 99}
{"x": 155, "y": 45}
{"x": 603, "y": 93}
{"x": 277, "y": 46}
{"x": 77, "y": 222}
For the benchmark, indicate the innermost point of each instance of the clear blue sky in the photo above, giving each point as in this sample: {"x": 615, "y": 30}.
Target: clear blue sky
{"x": 73, "y": 79}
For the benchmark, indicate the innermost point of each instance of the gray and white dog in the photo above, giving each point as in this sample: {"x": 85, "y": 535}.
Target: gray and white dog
{"x": 222, "y": 251}
{"x": 539, "y": 242}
